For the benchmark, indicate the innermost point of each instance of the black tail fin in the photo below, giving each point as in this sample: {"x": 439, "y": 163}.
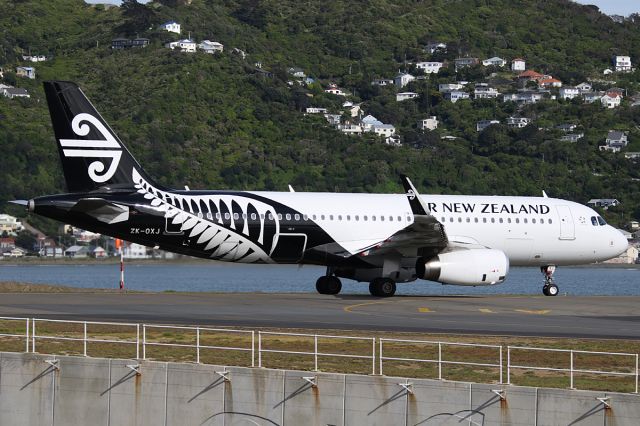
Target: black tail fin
{"x": 93, "y": 157}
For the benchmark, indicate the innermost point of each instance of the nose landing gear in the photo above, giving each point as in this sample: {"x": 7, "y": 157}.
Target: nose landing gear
{"x": 550, "y": 288}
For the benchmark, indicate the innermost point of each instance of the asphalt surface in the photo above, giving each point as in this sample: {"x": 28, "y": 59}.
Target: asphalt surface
{"x": 561, "y": 316}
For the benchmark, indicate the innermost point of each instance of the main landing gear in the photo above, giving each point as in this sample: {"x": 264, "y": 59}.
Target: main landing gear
{"x": 328, "y": 284}
{"x": 382, "y": 287}
{"x": 550, "y": 288}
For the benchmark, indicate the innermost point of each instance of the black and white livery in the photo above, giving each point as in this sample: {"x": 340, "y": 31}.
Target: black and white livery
{"x": 382, "y": 239}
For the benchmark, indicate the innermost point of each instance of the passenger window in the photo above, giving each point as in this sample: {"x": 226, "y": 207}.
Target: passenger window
{"x": 450, "y": 219}
{"x": 364, "y": 218}
{"x": 236, "y": 216}
{"x": 484, "y": 220}
{"x": 297, "y": 217}
{"x": 533, "y": 221}
{"x": 399, "y": 219}
{"x": 253, "y": 216}
{"x": 200, "y": 215}
{"x": 279, "y": 216}
{"x": 373, "y": 218}
{"x": 330, "y": 217}
{"x": 322, "y": 217}
{"x": 500, "y": 220}
{"x": 270, "y": 216}
{"x": 493, "y": 220}
{"x": 468, "y": 219}
{"x": 357, "y": 218}
{"x": 227, "y": 216}
{"x": 305, "y": 217}
{"x": 339, "y": 217}
{"x": 550, "y": 222}
{"x": 288, "y": 216}
{"x": 525, "y": 220}
{"x": 541, "y": 220}
{"x": 444, "y": 219}
{"x": 244, "y": 216}
{"x": 459, "y": 220}
{"x": 348, "y": 217}
{"x": 209, "y": 216}
{"x": 262, "y": 216}
{"x": 475, "y": 220}
{"x": 517, "y": 220}
{"x": 508, "y": 220}
{"x": 381, "y": 218}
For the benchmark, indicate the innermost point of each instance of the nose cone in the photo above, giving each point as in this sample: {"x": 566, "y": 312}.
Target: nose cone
{"x": 618, "y": 243}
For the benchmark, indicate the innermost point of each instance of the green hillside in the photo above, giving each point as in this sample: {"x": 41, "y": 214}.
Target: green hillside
{"x": 219, "y": 122}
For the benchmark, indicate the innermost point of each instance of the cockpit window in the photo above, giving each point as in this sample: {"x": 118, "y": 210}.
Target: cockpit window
{"x": 594, "y": 221}
{"x": 601, "y": 221}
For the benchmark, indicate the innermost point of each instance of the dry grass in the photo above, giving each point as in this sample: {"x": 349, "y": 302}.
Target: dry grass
{"x": 163, "y": 344}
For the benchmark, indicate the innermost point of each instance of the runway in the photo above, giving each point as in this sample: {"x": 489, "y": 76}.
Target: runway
{"x": 562, "y": 316}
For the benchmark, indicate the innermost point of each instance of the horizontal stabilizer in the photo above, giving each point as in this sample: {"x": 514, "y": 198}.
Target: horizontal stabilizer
{"x": 102, "y": 210}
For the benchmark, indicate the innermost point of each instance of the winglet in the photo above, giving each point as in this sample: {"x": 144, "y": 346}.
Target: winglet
{"x": 418, "y": 207}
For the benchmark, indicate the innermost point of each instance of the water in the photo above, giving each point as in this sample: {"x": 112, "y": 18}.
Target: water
{"x": 220, "y": 277}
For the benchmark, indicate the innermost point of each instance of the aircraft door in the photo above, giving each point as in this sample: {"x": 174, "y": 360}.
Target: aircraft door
{"x": 567, "y": 227}
{"x": 290, "y": 248}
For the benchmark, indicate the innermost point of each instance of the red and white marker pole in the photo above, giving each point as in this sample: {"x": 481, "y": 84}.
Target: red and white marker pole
{"x": 120, "y": 246}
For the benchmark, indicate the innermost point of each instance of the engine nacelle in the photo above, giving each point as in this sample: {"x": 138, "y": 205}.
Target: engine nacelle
{"x": 466, "y": 267}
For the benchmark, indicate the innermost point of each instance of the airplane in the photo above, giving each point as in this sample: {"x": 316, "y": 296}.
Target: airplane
{"x": 382, "y": 239}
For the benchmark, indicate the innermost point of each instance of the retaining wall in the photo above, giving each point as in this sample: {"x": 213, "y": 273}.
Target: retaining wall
{"x": 79, "y": 391}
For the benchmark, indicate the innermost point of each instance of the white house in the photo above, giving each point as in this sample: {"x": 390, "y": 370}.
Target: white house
{"x": 315, "y": 110}
{"x": 494, "y": 62}
{"x": 185, "y": 45}
{"x": 518, "y": 122}
{"x": 352, "y": 109}
{"x": 482, "y": 91}
{"x": 483, "y": 124}
{"x": 393, "y": 140}
{"x": 77, "y": 252}
{"x": 430, "y": 123}
{"x": 615, "y": 141}
{"x": 611, "y": 100}
{"x": 10, "y": 224}
{"x": 211, "y": 47}
{"x": 567, "y": 127}
{"x": 382, "y": 82}
{"x": 518, "y": 65}
{"x": 14, "y": 92}
{"x": 403, "y": 79}
{"x": 368, "y": 122}
{"x": 622, "y": 63}
{"x": 584, "y": 87}
{"x": 430, "y": 67}
{"x": 526, "y": 97}
{"x": 569, "y": 92}
{"x": 572, "y": 137}
{"x": 455, "y": 95}
{"x": 171, "y": 26}
{"x": 434, "y": 47}
{"x": 448, "y": 87}
{"x": 297, "y": 72}
{"x": 403, "y": 96}
{"x": 385, "y": 130}
{"x": 34, "y": 58}
{"x": 334, "y": 90}
{"x": 28, "y": 72}
{"x": 592, "y": 97}
{"x": 465, "y": 62}
{"x": 135, "y": 251}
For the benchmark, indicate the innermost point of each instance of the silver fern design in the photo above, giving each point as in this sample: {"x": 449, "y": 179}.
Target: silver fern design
{"x": 219, "y": 222}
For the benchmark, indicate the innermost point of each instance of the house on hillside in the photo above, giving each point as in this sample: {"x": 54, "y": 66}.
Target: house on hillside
{"x": 465, "y": 62}
{"x": 430, "y": 123}
{"x": 494, "y": 62}
{"x": 584, "y": 87}
{"x": 10, "y": 224}
{"x": 185, "y": 45}
{"x": 384, "y": 130}
{"x": 351, "y": 109}
{"x": 403, "y": 96}
{"x": 569, "y": 92}
{"x": 430, "y": 67}
{"x": 456, "y": 95}
{"x": 518, "y": 122}
{"x": 605, "y": 203}
{"x": 571, "y": 137}
{"x": 524, "y": 97}
{"x": 297, "y": 72}
{"x": 26, "y": 72}
{"x": 77, "y": 252}
{"x": 334, "y": 90}
{"x": 483, "y": 91}
{"x": 615, "y": 141}
{"x": 34, "y": 58}
{"x": 171, "y": 26}
{"x": 403, "y": 79}
{"x": 435, "y": 47}
{"x": 315, "y": 110}
{"x": 14, "y": 92}
{"x": 98, "y": 252}
{"x": 622, "y": 63}
{"x": 120, "y": 43}
{"x": 530, "y": 75}
{"x": 140, "y": 42}
{"x": 382, "y": 82}
{"x": 549, "y": 81}
{"x": 483, "y": 124}
{"x": 449, "y": 87}
{"x": 7, "y": 244}
{"x": 567, "y": 127}
{"x": 211, "y": 47}
{"x": 518, "y": 64}
{"x": 611, "y": 100}
{"x": 592, "y": 97}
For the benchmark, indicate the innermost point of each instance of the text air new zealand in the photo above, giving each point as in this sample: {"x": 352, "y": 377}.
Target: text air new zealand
{"x": 382, "y": 239}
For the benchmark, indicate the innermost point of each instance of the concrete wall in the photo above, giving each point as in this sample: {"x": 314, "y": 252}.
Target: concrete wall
{"x": 95, "y": 391}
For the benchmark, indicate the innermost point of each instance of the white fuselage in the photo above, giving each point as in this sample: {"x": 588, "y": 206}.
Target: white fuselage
{"x": 529, "y": 230}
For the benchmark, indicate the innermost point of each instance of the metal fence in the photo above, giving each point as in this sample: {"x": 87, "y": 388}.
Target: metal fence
{"x": 573, "y": 370}
{"x": 440, "y": 361}
{"x": 145, "y": 336}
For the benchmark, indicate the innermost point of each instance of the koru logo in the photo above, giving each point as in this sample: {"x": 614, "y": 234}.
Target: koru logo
{"x": 411, "y": 195}
{"x": 107, "y": 148}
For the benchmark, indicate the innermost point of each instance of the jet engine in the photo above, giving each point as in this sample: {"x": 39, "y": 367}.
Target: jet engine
{"x": 465, "y": 267}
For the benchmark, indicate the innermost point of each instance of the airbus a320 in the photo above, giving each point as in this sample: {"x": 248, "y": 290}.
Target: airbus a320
{"x": 382, "y": 239}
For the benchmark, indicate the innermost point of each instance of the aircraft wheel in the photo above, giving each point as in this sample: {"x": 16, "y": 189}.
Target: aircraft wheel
{"x": 328, "y": 285}
{"x": 545, "y": 290}
{"x": 382, "y": 287}
{"x": 552, "y": 290}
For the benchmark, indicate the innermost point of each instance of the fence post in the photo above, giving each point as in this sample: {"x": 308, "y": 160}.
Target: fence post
{"x": 144, "y": 341}
{"x": 373, "y": 356}
{"x": 27, "y": 339}
{"x": 571, "y": 370}
{"x": 137, "y": 341}
{"x": 84, "y": 341}
{"x": 508, "y": 365}
{"x": 315, "y": 352}
{"x": 259, "y": 349}
{"x": 439, "y": 360}
{"x": 636, "y": 373}
{"x": 253, "y": 348}
{"x": 197, "y": 345}
{"x": 501, "y": 365}
{"x": 33, "y": 335}
{"x": 380, "y": 357}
